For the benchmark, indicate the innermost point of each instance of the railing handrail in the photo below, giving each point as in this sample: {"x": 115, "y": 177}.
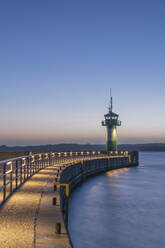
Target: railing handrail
{"x": 64, "y": 153}
{"x": 13, "y": 159}
{"x": 15, "y": 171}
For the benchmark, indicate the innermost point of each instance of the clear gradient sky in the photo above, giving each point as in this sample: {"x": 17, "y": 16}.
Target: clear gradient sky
{"x": 59, "y": 58}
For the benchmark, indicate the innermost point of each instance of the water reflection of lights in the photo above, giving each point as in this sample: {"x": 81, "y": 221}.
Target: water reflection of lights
{"x": 117, "y": 172}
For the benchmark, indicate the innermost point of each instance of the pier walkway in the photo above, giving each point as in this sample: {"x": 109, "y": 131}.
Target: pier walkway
{"x": 27, "y": 213}
{"x": 20, "y": 214}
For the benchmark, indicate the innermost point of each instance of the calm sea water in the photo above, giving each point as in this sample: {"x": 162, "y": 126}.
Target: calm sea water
{"x": 124, "y": 208}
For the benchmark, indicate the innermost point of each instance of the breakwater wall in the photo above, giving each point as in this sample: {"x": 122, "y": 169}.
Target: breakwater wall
{"x": 74, "y": 174}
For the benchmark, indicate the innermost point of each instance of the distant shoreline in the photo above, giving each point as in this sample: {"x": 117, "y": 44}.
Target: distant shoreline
{"x": 148, "y": 147}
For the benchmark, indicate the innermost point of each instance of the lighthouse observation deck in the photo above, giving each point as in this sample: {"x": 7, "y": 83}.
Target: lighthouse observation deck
{"x": 111, "y": 122}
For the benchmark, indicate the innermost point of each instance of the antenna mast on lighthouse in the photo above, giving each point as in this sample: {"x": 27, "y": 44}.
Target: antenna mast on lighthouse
{"x": 111, "y": 102}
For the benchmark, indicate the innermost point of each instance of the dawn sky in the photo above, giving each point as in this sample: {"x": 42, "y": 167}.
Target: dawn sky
{"x": 59, "y": 59}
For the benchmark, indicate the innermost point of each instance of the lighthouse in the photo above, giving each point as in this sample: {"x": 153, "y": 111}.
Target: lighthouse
{"x": 111, "y": 122}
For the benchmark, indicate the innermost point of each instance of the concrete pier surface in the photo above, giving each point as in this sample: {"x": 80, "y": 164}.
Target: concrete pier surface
{"x": 24, "y": 224}
{"x": 30, "y": 214}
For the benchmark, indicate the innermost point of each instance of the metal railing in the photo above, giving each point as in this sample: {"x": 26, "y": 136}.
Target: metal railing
{"x": 14, "y": 172}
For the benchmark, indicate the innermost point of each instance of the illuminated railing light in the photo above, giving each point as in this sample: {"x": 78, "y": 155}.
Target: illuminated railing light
{"x": 39, "y": 156}
{"x": 9, "y": 171}
{"x": 9, "y": 163}
{"x": 23, "y": 161}
{"x": 32, "y": 157}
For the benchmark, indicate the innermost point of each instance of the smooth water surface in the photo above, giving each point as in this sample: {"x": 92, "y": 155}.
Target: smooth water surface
{"x": 124, "y": 208}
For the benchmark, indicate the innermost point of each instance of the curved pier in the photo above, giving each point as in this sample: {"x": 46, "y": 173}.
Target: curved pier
{"x": 35, "y": 190}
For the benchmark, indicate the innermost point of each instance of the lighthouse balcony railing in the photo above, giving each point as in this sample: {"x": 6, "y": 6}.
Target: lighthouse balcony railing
{"x": 111, "y": 122}
{"x": 118, "y": 123}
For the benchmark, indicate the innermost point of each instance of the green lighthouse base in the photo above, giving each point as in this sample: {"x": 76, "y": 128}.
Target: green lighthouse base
{"x": 111, "y": 139}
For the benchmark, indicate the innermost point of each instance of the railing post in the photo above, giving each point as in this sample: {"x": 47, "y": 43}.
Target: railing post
{"x": 24, "y": 169}
{"x": 11, "y": 178}
{"x": 53, "y": 159}
{"x": 33, "y": 164}
{"x": 4, "y": 181}
{"x": 20, "y": 171}
{"x": 30, "y": 166}
{"x": 49, "y": 159}
{"x": 39, "y": 162}
{"x": 27, "y": 166}
{"x": 16, "y": 174}
{"x": 42, "y": 159}
{"x": 36, "y": 163}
